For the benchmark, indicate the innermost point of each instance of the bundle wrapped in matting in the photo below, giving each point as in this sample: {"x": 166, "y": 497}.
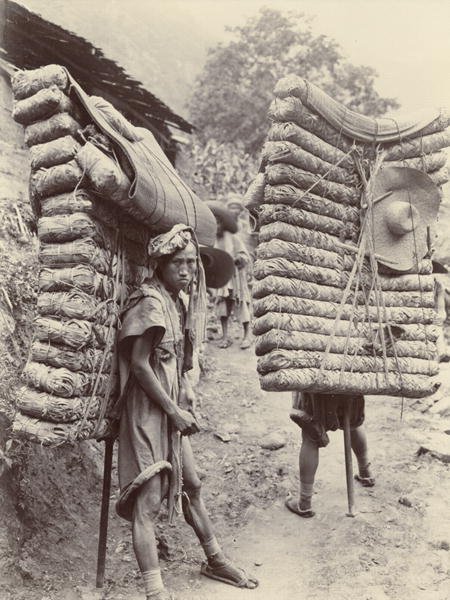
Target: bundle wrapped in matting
{"x": 91, "y": 255}
{"x": 346, "y": 207}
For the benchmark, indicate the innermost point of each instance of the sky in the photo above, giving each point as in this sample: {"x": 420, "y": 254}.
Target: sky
{"x": 406, "y": 41}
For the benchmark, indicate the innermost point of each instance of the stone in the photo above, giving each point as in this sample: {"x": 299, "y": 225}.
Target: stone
{"x": 437, "y": 445}
{"x": 222, "y": 436}
{"x": 405, "y": 501}
{"x": 273, "y": 441}
{"x": 442, "y": 407}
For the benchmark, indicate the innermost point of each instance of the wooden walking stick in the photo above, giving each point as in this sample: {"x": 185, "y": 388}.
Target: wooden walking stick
{"x": 104, "y": 514}
{"x": 348, "y": 461}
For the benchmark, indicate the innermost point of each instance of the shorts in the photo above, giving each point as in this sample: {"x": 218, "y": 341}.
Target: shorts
{"x": 241, "y": 310}
{"x": 328, "y": 409}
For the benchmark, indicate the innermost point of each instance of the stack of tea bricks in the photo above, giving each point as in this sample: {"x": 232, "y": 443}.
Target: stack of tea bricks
{"x": 91, "y": 256}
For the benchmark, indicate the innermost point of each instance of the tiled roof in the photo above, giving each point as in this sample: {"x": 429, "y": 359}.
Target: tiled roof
{"x": 29, "y": 42}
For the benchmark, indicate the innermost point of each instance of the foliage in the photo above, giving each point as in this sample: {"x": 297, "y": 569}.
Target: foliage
{"x": 18, "y": 282}
{"x": 217, "y": 170}
{"x": 233, "y": 92}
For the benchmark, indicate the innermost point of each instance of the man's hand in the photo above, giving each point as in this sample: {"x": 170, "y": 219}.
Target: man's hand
{"x": 185, "y": 422}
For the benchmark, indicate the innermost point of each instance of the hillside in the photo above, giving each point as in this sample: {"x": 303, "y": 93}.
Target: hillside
{"x": 170, "y": 55}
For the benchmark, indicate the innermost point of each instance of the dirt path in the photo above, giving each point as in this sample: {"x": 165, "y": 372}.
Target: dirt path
{"x": 397, "y": 547}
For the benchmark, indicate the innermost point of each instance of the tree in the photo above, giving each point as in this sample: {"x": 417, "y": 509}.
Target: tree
{"x": 216, "y": 171}
{"x": 233, "y": 93}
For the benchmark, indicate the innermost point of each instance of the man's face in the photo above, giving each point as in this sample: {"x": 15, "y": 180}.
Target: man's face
{"x": 178, "y": 272}
{"x": 235, "y": 209}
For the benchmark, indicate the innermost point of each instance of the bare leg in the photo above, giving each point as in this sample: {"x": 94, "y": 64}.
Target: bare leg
{"x": 224, "y": 342}
{"x": 194, "y": 511}
{"x": 246, "y": 339}
{"x": 146, "y": 509}
{"x": 308, "y": 462}
{"x": 193, "y": 507}
{"x": 359, "y": 446}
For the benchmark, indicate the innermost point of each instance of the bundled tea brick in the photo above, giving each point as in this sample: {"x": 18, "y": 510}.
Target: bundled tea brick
{"x": 42, "y": 105}
{"x": 292, "y": 196}
{"x": 84, "y": 251}
{"x": 312, "y": 291}
{"x": 57, "y": 126}
{"x": 56, "y": 152}
{"x": 82, "y": 277}
{"x": 338, "y": 192}
{"x": 68, "y": 228}
{"x": 27, "y": 83}
{"x": 80, "y": 200}
{"x": 400, "y": 315}
{"x": 287, "y": 152}
{"x": 62, "y": 382}
{"x": 106, "y": 176}
{"x": 47, "y": 433}
{"x": 74, "y": 305}
{"x": 55, "y": 409}
{"x": 412, "y": 386}
{"x": 55, "y": 180}
{"x": 298, "y": 359}
{"x": 88, "y": 360}
{"x": 319, "y": 342}
{"x": 343, "y": 328}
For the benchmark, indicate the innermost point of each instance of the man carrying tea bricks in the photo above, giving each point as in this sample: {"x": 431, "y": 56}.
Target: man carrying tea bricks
{"x": 234, "y": 297}
{"x": 407, "y": 205}
{"x": 155, "y": 456}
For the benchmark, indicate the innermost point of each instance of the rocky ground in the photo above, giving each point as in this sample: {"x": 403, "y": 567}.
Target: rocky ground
{"x": 397, "y": 547}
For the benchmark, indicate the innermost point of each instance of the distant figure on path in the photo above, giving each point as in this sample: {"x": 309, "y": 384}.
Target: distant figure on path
{"x": 234, "y": 297}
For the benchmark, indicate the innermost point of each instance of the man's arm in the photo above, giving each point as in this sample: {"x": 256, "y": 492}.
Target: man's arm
{"x": 143, "y": 347}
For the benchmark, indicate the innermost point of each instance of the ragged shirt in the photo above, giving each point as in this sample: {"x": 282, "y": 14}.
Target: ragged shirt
{"x": 148, "y": 444}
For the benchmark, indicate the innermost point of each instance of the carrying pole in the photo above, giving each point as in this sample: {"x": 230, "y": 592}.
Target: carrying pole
{"x": 104, "y": 514}
{"x": 348, "y": 461}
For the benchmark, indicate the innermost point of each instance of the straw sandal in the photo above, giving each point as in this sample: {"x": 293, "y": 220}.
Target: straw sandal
{"x": 225, "y": 343}
{"x": 227, "y": 573}
{"x": 365, "y": 481}
{"x": 293, "y": 506}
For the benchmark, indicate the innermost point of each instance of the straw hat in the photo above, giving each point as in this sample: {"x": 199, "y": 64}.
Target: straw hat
{"x": 438, "y": 267}
{"x": 223, "y": 215}
{"x": 218, "y": 266}
{"x": 405, "y": 203}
